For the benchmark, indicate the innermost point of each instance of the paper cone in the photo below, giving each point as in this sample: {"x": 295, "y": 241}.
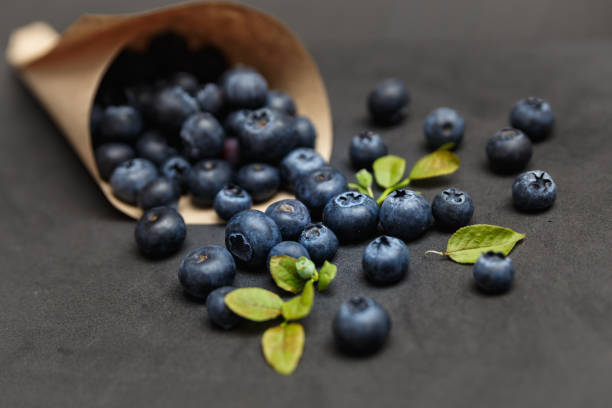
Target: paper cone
{"x": 64, "y": 71}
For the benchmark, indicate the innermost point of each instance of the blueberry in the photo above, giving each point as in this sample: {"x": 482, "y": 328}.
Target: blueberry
{"x": 205, "y": 269}
{"x": 281, "y": 101}
{"x": 388, "y": 102}
{"x": 385, "y": 260}
{"x": 452, "y": 208}
{"x": 160, "y": 232}
{"x": 230, "y": 200}
{"x": 130, "y": 177}
{"x": 172, "y": 106}
{"x": 177, "y": 169}
{"x": 442, "y": 126}
{"x": 188, "y": 82}
{"x": 202, "y": 137}
{"x": 121, "y": 124}
{"x": 159, "y": 192}
{"x": 267, "y": 135}
{"x": 494, "y": 272}
{"x": 534, "y": 191}
{"x": 111, "y": 155}
{"x": 210, "y": 99}
{"x": 205, "y": 180}
{"x": 234, "y": 122}
{"x": 231, "y": 151}
{"x": 244, "y": 88}
{"x": 154, "y": 147}
{"x": 141, "y": 97}
{"x": 365, "y": 148}
{"x": 291, "y": 216}
{"x": 288, "y": 248}
{"x": 534, "y": 117}
{"x": 260, "y": 180}
{"x": 361, "y": 326}
{"x": 217, "y": 310}
{"x": 250, "y": 235}
{"x": 320, "y": 242}
{"x": 509, "y": 150}
{"x": 405, "y": 214}
{"x": 209, "y": 63}
{"x": 316, "y": 188}
{"x": 298, "y": 163}
{"x": 352, "y": 216}
{"x": 305, "y": 132}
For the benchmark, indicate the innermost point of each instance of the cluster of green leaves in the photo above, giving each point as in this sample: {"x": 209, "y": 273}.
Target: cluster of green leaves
{"x": 389, "y": 171}
{"x": 283, "y": 344}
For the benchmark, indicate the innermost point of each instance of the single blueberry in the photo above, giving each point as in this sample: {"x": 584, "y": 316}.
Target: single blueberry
{"x": 494, "y": 272}
{"x": 316, "y": 188}
{"x": 206, "y": 178}
{"x": 209, "y": 63}
{"x": 267, "y": 135}
{"x": 361, "y": 326}
{"x": 159, "y": 192}
{"x": 154, "y": 147}
{"x": 202, "y": 137}
{"x": 217, "y": 310}
{"x": 534, "y": 191}
{"x": 185, "y": 80}
{"x": 366, "y": 147}
{"x": 177, "y": 169}
{"x": 298, "y": 163}
{"x": 509, "y": 150}
{"x": 291, "y": 216}
{"x": 230, "y": 200}
{"x": 160, "y": 232}
{"x": 534, "y": 117}
{"x": 172, "y": 106}
{"x": 405, "y": 214}
{"x": 234, "y": 122}
{"x": 305, "y": 132}
{"x": 452, "y": 208}
{"x": 211, "y": 99}
{"x": 320, "y": 242}
{"x": 352, "y": 216}
{"x": 385, "y": 260}
{"x": 250, "y": 235}
{"x": 281, "y": 101}
{"x": 121, "y": 124}
{"x": 111, "y": 155}
{"x": 288, "y": 248}
{"x": 388, "y": 102}
{"x": 130, "y": 177}
{"x": 244, "y": 88}
{"x": 442, "y": 126}
{"x": 205, "y": 269}
{"x": 260, "y": 180}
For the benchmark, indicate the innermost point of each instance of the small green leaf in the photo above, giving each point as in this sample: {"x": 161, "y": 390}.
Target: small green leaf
{"x": 435, "y": 164}
{"x": 326, "y": 275}
{"x": 388, "y": 170}
{"x": 305, "y": 268}
{"x": 284, "y": 273}
{"x": 254, "y": 303}
{"x": 358, "y": 188}
{"x": 283, "y": 347}
{"x": 391, "y": 189}
{"x": 468, "y": 243}
{"x": 447, "y": 146}
{"x": 299, "y": 306}
{"x": 364, "y": 178}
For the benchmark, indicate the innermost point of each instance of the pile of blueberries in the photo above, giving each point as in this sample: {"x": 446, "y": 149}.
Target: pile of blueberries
{"x": 192, "y": 125}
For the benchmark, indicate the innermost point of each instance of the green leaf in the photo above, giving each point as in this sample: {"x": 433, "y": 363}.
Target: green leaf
{"x": 254, "y": 303}
{"x": 364, "y": 178}
{"x": 468, "y": 243}
{"x": 284, "y": 273}
{"x": 283, "y": 347}
{"x": 447, "y": 146}
{"x": 435, "y": 164}
{"x": 326, "y": 275}
{"x": 358, "y": 188}
{"x": 305, "y": 268}
{"x": 388, "y": 170}
{"x": 299, "y": 306}
{"x": 391, "y": 189}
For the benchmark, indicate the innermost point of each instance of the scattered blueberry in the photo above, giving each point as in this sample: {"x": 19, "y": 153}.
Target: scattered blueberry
{"x": 494, "y": 272}
{"x": 202, "y": 137}
{"x": 205, "y": 269}
{"x": 352, "y": 216}
{"x": 159, "y": 192}
{"x": 130, "y": 177}
{"x": 217, "y": 310}
{"x": 230, "y": 200}
{"x": 234, "y": 122}
{"x": 366, "y": 147}
{"x": 388, "y": 102}
{"x": 405, "y": 214}
{"x": 177, "y": 169}
{"x": 250, "y": 235}
{"x": 154, "y": 147}
{"x": 298, "y": 163}
{"x": 210, "y": 99}
{"x": 291, "y": 216}
{"x": 160, "y": 232}
{"x": 320, "y": 242}
{"x": 442, "y": 126}
{"x": 281, "y": 101}
{"x": 452, "y": 208}
{"x": 288, "y": 248}
{"x": 534, "y": 117}
{"x": 121, "y": 124}
{"x": 385, "y": 260}
{"x": 110, "y": 155}
{"x": 267, "y": 135}
{"x": 172, "y": 106}
{"x": 305, "y": 132}
{"x": 316, "y": 188}
{"x": 534, "y": 191}
{"x": 361, "y": 326}
{"x": 509, "y": 150}
{"x": 245, "y": 88}
{"x": 206, "y": 178}
{"x": 260, "y": 180}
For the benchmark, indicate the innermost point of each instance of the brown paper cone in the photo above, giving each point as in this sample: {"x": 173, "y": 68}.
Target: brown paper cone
{"x": 64, "y": 71}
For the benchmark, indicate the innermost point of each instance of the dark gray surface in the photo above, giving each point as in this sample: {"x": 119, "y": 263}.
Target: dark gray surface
{"x": 85, "y": 321}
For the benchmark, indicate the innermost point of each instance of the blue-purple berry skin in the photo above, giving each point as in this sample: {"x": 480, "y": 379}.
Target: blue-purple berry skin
{"x": 361, "y": 326}
{"x": 494, "y": 272}
{"x": 509, "y": 150}
{"x": 443, "y": 126}
{"x": 534, "y": 117}
{"x": 218, "y": 312}
{"x": 405, "y": 214}
{"x": 205, "y": 269}
{"x": 385, "y": 260}
{"x": 452, "y": 209}
{"x": 534, "y": 191}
